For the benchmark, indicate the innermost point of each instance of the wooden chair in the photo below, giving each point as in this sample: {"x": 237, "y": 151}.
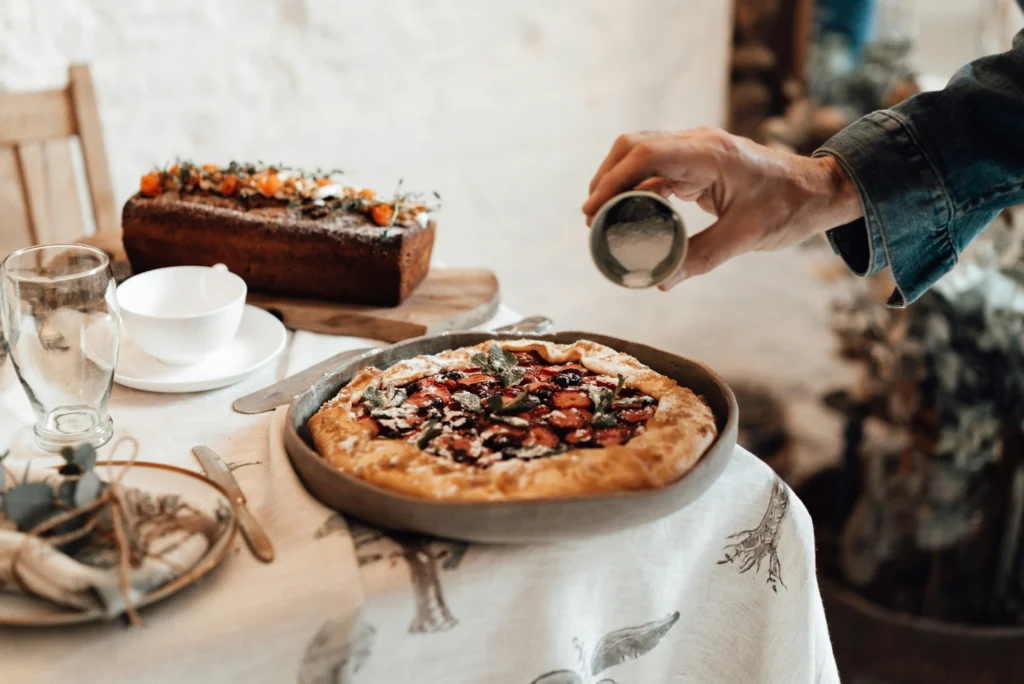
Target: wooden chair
{"x": 39, "y": 193}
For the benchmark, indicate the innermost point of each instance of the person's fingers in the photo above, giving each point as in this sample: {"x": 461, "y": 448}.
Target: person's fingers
{"x": 620, "y": 148}
{"x": 682, "y": 162}
{"x": 708, "y": 250}
{"x": 638, "y": 165}
{"x": 657, "y": 185}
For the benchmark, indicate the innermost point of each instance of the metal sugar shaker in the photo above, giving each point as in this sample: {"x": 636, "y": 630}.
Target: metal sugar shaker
{"x": 637, "y": 239}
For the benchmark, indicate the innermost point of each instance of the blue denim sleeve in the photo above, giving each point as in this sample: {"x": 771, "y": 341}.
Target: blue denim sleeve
{"x": 933, "y": 172}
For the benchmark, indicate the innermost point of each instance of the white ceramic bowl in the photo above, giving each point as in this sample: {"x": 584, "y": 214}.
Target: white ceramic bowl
{"x": 182, "y": 314}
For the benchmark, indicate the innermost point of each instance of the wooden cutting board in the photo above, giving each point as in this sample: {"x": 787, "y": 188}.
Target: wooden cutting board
{"x": 447, "y": 299}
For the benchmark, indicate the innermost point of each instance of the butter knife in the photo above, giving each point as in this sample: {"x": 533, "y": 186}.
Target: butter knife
{"x": 284, "y": 391}
{"x": 217, "y": 471}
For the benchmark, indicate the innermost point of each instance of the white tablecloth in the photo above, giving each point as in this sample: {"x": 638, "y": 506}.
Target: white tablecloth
{"x": 723, "y": 591}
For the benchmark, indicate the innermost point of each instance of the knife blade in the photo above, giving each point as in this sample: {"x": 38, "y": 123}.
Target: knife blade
{"x": 284, "y": 391}
{"x": 217, "y": 471}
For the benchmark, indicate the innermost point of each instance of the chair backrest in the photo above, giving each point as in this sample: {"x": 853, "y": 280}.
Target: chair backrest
{"x": 39, "y": 195}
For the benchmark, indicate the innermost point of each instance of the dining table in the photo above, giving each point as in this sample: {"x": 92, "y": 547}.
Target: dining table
{"x": 723, "y": 590}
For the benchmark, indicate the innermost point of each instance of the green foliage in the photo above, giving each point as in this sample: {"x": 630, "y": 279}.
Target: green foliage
{"x": 29, "y": 504}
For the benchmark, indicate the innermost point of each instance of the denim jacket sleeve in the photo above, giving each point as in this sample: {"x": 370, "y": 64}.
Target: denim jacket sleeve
{"x": 933, "y": 172}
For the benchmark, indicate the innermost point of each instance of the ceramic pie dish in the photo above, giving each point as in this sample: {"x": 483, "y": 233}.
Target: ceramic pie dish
{"x": 525, "y": 521}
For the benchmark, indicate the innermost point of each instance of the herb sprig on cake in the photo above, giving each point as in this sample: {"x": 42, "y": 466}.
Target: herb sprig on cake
{"x": 310, "y": 194}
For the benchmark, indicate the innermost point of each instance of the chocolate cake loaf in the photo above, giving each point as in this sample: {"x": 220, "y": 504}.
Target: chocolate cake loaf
{"x": 285, "y": 232}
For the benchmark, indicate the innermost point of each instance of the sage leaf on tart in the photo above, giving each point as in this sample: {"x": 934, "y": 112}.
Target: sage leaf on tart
{"x": 502, "y": 364}
{"x": 494, "y": 403}
{"x": 603, "y": 400}
{"x": 524, "y": 401}
{"x": 469, "y": 401}
{"x": 511, "y": 421}
{"x": 511, "y": 377}
{"x": 630, "y": 402}
{"x": 395, "y": 397}
{"x": 392, "y": 397}
{"x": 604, "y": 420}
{"x": 431, "y": 430}
{"x": 372, "y": 397}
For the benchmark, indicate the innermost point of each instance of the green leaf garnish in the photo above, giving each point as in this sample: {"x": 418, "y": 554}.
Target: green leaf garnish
{"x": 603, "y": 399}
{"x": 510, "y": 359}
{"x": 498, "y": 360}
{"x": 494, "y": 403}
{"x": 372, "y": 397}
{"x": 522, "y": 402}
{"x": 469, "y": 401}
{"x": 500, "y": 363}
{"x": 511, "y": 420}
{"x": 511, "y": 376}
{"x": 430, "y": 430}
{"x": 87, "y": 490}
{"x": 85, "y": 457}
{"x": 28, "y": 504}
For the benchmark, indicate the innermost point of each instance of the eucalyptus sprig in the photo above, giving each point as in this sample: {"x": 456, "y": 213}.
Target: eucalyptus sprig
{"x": 30, "y": 505}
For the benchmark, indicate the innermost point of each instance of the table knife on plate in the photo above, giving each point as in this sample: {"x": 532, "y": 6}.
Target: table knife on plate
{"x": 284, "y": 391}
{"x": 219, "y": 472}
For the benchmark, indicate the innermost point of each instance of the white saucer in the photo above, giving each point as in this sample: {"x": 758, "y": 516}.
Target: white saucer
{"x": 259, "y": 340}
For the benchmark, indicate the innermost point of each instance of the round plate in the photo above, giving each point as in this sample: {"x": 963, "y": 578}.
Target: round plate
{"x": 260, "y": 338}
{"x": 530, "y": 521}
{"x": 156, "y": 478}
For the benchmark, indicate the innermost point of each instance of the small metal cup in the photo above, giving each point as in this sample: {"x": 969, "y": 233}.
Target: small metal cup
{"x": 646, "y": 221}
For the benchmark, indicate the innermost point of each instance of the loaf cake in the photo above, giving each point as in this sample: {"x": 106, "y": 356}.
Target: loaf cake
{"x": 284, "y": 231}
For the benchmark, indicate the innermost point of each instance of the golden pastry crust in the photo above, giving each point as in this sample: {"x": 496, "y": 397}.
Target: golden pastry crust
{"x": 676, "y": 436}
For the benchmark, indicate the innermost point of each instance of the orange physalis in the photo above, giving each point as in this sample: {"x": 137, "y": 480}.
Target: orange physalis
{"x": 151, "y": 184}
{"x": 381, "y": 214}
{"x": 367, "y": 193}
{"x": 173, "y": 170}
{"x": 229, "y": 186}
{"x": 268, "y": 184}
{"x": 211, "y": 168}
{"x": 321, "y": 182}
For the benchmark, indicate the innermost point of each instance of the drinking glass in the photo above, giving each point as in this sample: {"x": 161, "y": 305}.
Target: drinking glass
{"x": 63, "y": 327}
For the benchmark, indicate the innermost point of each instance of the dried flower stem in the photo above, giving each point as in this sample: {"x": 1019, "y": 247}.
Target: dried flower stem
{"x": 124, "y": 567}
{"x": 131, "y": 459}
{"x": 85, "y": 530}
{"x": 70, "y": 515}
{"x": 10, "y": 475}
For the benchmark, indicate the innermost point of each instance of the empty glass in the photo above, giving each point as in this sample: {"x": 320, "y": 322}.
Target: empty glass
{"x": 62, "y": 325}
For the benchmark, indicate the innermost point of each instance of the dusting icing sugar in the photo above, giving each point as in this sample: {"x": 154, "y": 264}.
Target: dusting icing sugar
{"x": 638, "y": 279}
{"x": 640, "y": 245}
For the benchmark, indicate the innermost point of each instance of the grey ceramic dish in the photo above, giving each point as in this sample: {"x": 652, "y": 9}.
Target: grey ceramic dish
{"x": 514, "y": 521}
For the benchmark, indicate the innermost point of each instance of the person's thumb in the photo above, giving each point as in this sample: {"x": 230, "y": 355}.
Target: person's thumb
{"x": 707, "y": 250}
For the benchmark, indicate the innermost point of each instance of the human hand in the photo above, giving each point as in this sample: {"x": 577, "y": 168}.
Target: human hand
{"x": 764, "y": 199}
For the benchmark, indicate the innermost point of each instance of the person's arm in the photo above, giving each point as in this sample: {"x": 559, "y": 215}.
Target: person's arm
{"x": 932, "y": 172}
{"x": 907, "y": 188}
